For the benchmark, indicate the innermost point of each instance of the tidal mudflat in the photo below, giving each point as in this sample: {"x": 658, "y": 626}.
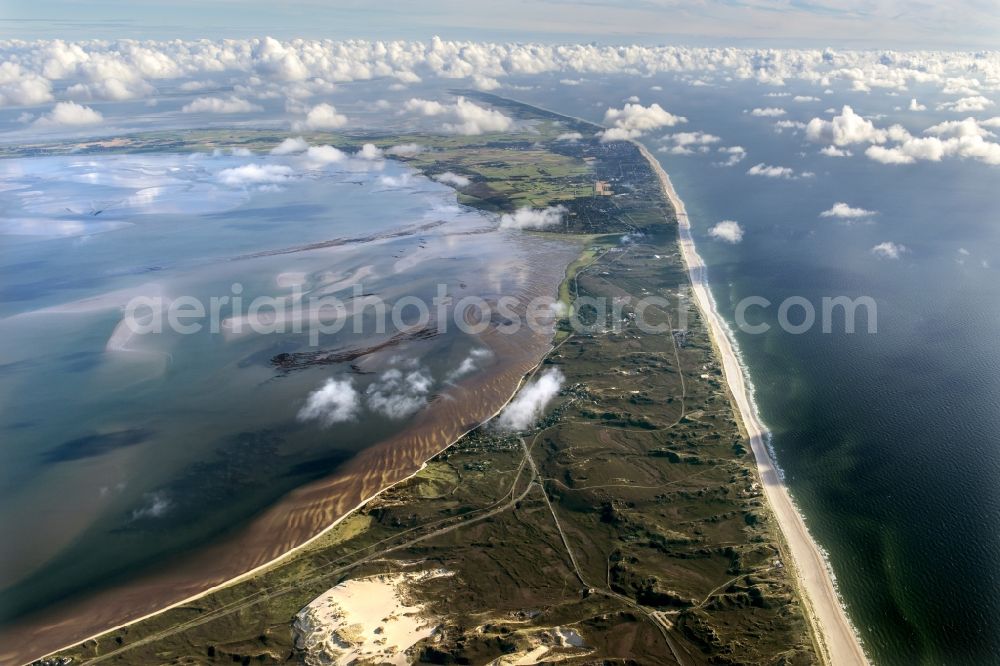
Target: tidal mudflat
{"x": 194, "y": 454}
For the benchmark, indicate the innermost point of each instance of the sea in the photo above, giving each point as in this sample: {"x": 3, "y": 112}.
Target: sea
{"x": 889, "y": 437}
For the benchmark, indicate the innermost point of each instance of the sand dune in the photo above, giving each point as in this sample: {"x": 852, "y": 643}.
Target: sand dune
{"x": 830, "y": 623}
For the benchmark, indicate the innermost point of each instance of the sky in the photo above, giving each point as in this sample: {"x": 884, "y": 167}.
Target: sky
{"x": 900, "y": 24}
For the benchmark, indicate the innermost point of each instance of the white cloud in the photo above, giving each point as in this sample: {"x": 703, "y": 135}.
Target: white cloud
{"x": 220, "y": 105}
{"x": 463, "y": 116}
{"x": 532, "y": 218}
{"x": 109, "y": 69}
{"x": 728, "y": 231}
{"x": 889, "y": 250}
{"x": 805, "y": 98}
{"x": 966, "y": 104}
{"x": 398, "y": 394}
{"x": 470, "y": 363}
{"x": 451, "y": 178}
{"x": 321, "y": 117}
{"x": 844, "y": 129}
{"x": 916, "y": 106}
{"x": 633, "y": 120}
{"x": 254, "y": 174}
{"x": 888, "y": 155}
{"x": 569, "y": 136}
{"x": 69, "y": 114}
{"x": 959, "y": 128}
{"x": 317, "y": 156}
{"x": 369, "y": 151}
{"x": 692, "y": 138}
{"x": 20, "y": 87}
{"x": 405, "y": 149}
{"x": 767, "y": 112}
{"x": 335, "y": 402}
{"x": 686, "y": 143}
{"x": 531, "y": 401}
{"x": 769, "y": 171}
{"x": 954, "y": 138}
{"x": 833, "y": 151}
{"x": 845, "y": 211}
{"x": 736, "y": 155}
{"x": 290, "y": 146}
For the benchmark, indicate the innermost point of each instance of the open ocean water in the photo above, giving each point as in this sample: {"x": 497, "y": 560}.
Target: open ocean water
{"x": 890, "y": 442}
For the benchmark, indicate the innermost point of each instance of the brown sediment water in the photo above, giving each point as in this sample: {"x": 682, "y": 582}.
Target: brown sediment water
{"x": 309, "y": 511}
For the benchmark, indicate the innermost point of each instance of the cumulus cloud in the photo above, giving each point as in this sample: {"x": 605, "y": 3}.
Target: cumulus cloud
{"x": 220, "y": 105}
{"x": 451, "y": 178}
{"x": 533, "y": 218}
{"x": 531, "y": 401}
{"x": 405, "y": 150}
{"x": 633, "y": 120}
{"x": 569, "y": 136}
{"x": 686, "y": 143}
{"x": 109, "y": 69}
{"x": 954, "y": 138}
{"x": 845, "y": 211}
{"x": 317, "y": 156}
{"x": 844, "y": 129}
{"x": 788, "y": 124}
{"x": 370, "y": 152}
{"x": 728, "y": 231}
{"x": 889, "y": 250}
{"x": 889, "y": 155}
{"x": 470, "y": 363}
{"x": 254, "y": 174}
{"x": 805, "y": 98}
{"x": 967, "y": 104}
{"x": 959, "y": 128}
{"x": 321, "y": 117}
{"x": 112, "y": 89}
{"x": 69, "y": 114}
{"x": 769, "y": 171}
{"x": 397, "y": 394}
{"x": 736, "y": 155}
{"x": 20, "y": 87}
{"x": 336, "y": 401}
{"x": 290, "y": 146}
{"x": 461, "y": 117}
{"x": 833, "y": 151}
{"x": 767, "y": 112}
{"x": 916, "y": 106}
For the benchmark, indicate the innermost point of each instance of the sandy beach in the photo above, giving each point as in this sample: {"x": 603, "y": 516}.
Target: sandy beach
{"x": 831, "y": 625}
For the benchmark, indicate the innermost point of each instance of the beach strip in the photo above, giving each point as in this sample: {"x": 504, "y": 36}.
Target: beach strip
{"x": 839, "y": 642}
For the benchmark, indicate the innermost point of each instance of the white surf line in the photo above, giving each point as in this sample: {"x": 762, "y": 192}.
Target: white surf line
{"x": 823, "y": 607}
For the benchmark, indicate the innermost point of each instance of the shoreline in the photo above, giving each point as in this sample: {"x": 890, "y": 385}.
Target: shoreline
{"x": 838, "y": 641}
{"x": 294, "y": 550}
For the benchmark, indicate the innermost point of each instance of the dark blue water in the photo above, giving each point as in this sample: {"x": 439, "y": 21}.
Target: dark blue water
{"x": 890, "y": 441}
